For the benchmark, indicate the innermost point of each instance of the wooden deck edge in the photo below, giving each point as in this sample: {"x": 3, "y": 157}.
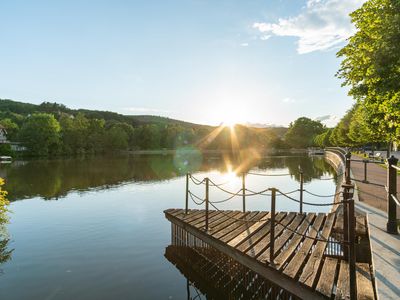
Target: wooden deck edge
{"x": 267, "y": 272}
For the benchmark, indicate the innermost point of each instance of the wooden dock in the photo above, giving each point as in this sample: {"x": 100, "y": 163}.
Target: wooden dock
{"x": 309, "y": 261}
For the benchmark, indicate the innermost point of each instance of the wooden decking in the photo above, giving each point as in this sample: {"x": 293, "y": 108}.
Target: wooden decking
{"x": 304, "y": 264}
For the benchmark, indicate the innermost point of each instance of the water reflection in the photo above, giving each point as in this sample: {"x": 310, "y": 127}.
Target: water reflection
{"x": 212, "y": 275}
{"x": 5, "y": 252}
{"x": 52, "y": 179}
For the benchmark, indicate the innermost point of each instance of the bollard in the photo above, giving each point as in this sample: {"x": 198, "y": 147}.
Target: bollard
{"x": 391, "y": 226}
{"x": 207, "y": 199}
{"x": 301, "y": 189}
{"x": 187, "y": 194}
{"x": 352, "y": 250}
{"x": 347, "y": 172}
{"x": 244, "y": 191}
{"x": 272, "y": 230}
{"x": 365, "y": 161}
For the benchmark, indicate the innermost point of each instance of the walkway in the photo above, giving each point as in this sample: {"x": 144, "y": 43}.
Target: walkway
{"x": 385, "y": 247}
{"x": 373, "y": 192}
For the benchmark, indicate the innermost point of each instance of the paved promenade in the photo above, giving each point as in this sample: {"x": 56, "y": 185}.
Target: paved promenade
{"x": 386, "y": 247}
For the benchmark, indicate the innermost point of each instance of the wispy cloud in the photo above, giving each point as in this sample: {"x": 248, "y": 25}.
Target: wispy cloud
{"x": 244, "y": 44}
{"x": 321, "y": 25}
{"x": 145, "y": 110}
{"x": 328, "y": 120}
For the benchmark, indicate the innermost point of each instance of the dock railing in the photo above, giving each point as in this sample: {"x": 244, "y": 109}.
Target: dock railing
{"x": 391, "y": 183}
{"x": 348, "y": 242}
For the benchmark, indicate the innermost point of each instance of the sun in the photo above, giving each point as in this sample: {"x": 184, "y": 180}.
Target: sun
{"x": 229, "y": 123}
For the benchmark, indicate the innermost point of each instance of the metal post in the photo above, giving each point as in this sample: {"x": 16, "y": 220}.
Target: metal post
{"x": 207, "y": 199}
{"x": 244, "y": 191}
{"x": 352, "y": 250}
{"x": 365, "y": 161}
{"x": 272, "y": 230}
{"x": 301, "y": 189}
{"x": 187, "y": 193}
{"x": 391, "y": 226}
{"x": 348, "y": 157}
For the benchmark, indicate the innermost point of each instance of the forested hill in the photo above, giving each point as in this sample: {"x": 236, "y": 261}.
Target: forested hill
{"x": 54, "y": 129}
{"x": 9, "y": 106}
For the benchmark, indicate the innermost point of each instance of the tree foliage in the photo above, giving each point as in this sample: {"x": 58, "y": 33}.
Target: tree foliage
{"x": 371, "y": 66}
{"x": 302, "y": 132}
{"x": 41, "y": 134}
{"x": 3, "y": 203}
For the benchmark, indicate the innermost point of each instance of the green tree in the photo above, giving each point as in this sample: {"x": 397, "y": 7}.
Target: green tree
{"x": 41, "y": 134}
{"x": 11, "y": 127}
{"x": 323, "y": 140}
{"x": 116, "y": 139}
{"x": 302, "y": 132}
{"x": 74, "y": 132}
{"x": 371, "y": 65}
{"x": 340, "y": 134}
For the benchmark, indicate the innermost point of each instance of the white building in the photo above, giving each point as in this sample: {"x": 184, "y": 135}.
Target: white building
{"x": 3, "y": 135}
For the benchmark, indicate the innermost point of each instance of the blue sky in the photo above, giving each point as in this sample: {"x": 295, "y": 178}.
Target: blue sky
{"x": 268, "y": 61}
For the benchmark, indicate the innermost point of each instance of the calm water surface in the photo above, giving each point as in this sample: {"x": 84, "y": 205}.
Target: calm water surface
{"x": 94, "y": 228}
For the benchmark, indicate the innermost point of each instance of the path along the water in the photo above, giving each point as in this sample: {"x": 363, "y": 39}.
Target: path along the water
{"x": 385, "y": 247}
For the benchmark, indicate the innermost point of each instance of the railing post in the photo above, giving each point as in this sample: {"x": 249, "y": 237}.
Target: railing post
{"x": 352, "y": 250}
{"x": 391, "y": 226}
{"x": 187, "y": 193}
{"x": 272, "y": 230}
{"x": 365, "y": 161}
{"x": 206, "y": 200}
{"x": 244, "y": 191}
{"x": 347, "y": 174}
{"x": 301, "y": 189}
{"x": 346, "y": 197}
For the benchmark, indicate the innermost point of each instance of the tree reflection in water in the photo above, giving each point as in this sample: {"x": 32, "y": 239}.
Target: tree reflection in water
{"x": 5, "y": 252}
{"x": 52, "y": 179}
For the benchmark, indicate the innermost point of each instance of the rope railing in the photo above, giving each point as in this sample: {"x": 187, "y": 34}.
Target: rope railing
{"x": 322, "y": 196}
{"x": 285, "y": 226}
{"x": 348, "y": 240}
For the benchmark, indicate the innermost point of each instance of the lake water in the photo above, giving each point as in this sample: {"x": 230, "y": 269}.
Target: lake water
{"x": 94, "y": 228}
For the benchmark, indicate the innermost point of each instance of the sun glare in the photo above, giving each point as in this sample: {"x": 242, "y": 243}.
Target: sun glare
{"x": 231, "y": 124}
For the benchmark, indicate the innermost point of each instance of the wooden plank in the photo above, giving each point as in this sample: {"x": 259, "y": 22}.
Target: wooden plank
{"x": 292, "y": 269}
{"x": 224, "y": 217}
{"x": 365, "y": 288}
{"x": 234, "y": 225}
{"x": 343, "y": 283}
{"x": 191, "y": 216}
{"x": 211, "y": 214}
{"x": 258, "y": 248}
{"x": 284, "y": 256}
{"x": 248, "y": 232}
{"x": 175, "y": 212}
{"x": 310, "y": 271}
{"x": 255, "y": 238}
{"x": 287, "y": 234}
{"x": 281, "y": 240}
{"x": 227, "y": 223}
{"x": 361, "y": 229}
{"x": 243, "y": 227}
{"x": 270, "y": 273}
{"x": 327, "y": 278}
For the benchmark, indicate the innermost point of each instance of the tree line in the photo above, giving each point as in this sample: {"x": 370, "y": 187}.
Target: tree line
{"x": 51, "y": 129}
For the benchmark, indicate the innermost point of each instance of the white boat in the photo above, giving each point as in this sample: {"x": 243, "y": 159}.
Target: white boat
{"x": 5, "y": 159}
